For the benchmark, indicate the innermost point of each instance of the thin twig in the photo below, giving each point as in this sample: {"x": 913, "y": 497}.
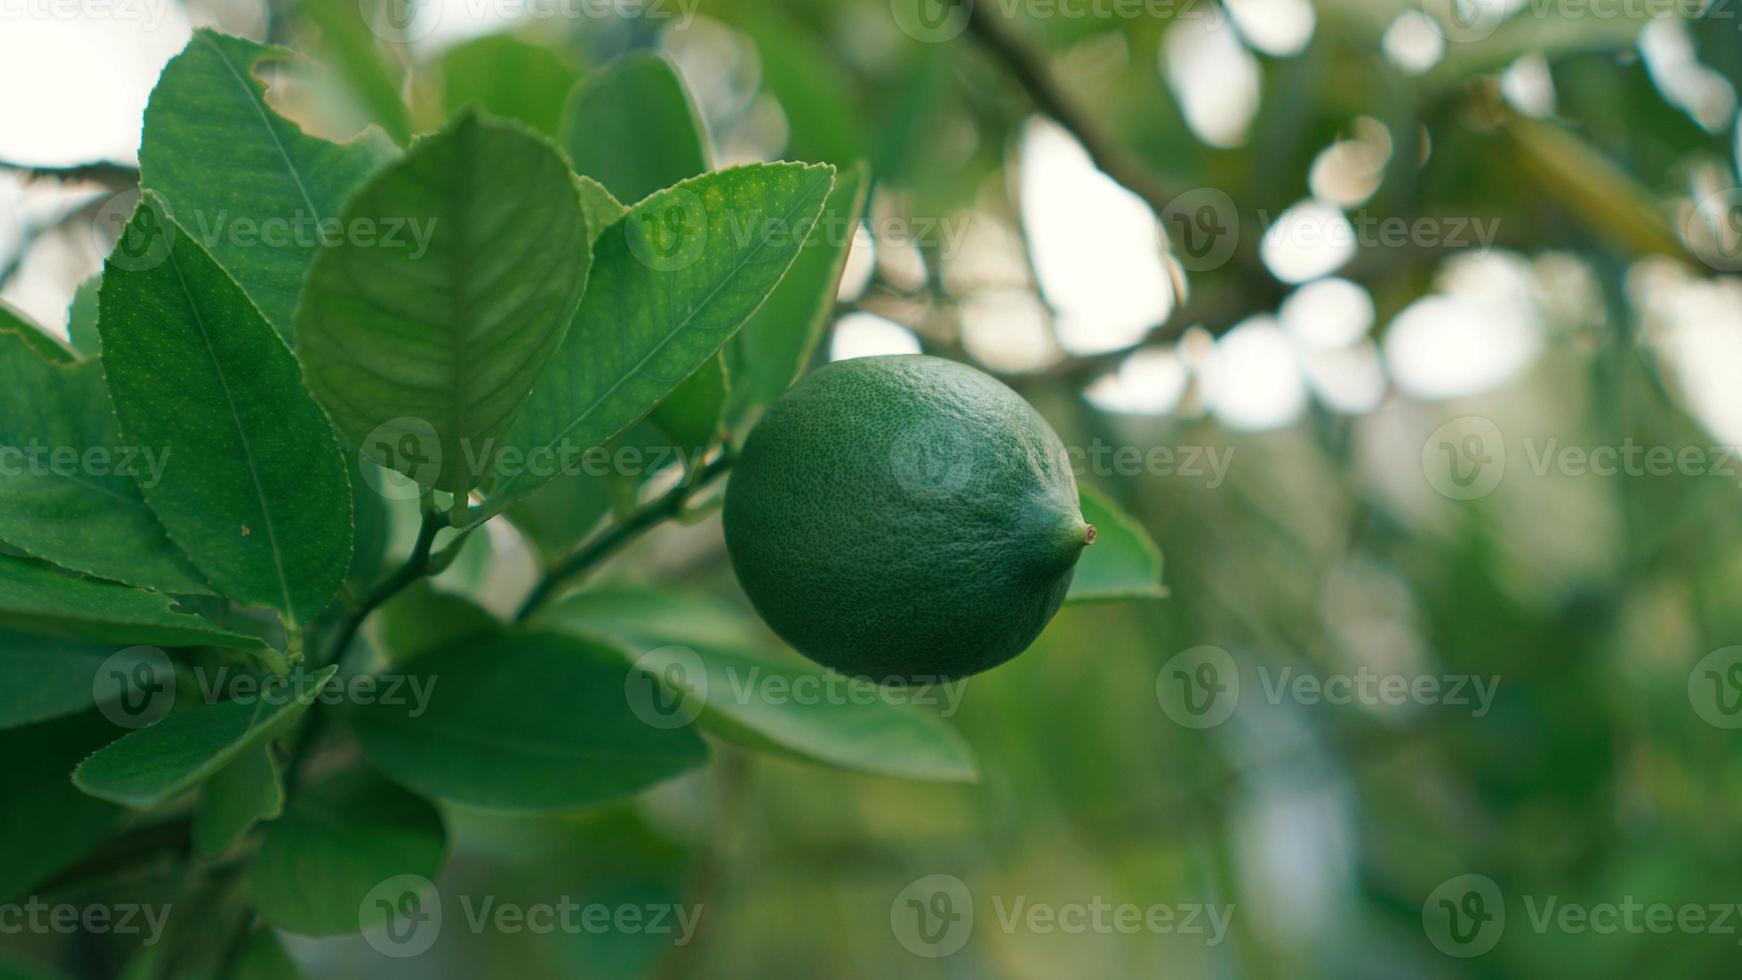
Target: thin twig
{"x": 116, "y": 176}
{"x": 611, "y": 539}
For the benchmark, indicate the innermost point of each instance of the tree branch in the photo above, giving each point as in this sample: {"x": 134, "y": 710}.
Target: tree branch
{"x": 615, "y": 537}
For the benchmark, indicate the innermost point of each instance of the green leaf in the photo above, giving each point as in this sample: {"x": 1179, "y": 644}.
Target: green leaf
{"x": 559, "y": 515}
{"x": 154, "y": 765}
{"x": 46, "y": 824}
{"x": 524, "y": 722}
{"x": 422, "y": 619}
{"x": 48, "y": 677}
{"x": 44, "y": 344}
{"x": 70, "y": 496}
{"x": 1123, "y": 563}
{"x": 707, "y": 655}
{"x": 436, "y": 344}
{"x": 253, "y": 488}
{"x": 781, "y": 338}
{"x": 242, "y": 793}
{"x": 264, "y": 958}
{"x": 509, "y": 77}
{"x": 82, "y": 319}
{"x": 632, "y": 127}
{"x": 670, "y": 284}
{"x": 231, "y": 168}
{"x": 37, "y": 599}
{"x": 340, "y": 838}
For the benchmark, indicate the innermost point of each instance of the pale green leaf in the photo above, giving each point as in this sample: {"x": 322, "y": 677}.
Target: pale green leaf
{"x": 509, "y": 77}
{"x": 632, "y": 127}
{"x": 435, "y": 342}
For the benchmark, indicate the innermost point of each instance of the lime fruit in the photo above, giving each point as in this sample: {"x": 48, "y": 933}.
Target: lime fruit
{"x": 904, "y": 518}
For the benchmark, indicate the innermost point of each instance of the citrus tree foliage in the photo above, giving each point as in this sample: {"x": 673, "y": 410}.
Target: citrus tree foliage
{"x": 247, "y": 647}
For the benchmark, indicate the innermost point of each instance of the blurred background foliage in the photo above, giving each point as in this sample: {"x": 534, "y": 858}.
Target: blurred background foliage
{"x": 1219, "y": 282}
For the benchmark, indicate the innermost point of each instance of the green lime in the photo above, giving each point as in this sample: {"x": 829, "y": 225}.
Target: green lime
{"x": 904, "y": 517}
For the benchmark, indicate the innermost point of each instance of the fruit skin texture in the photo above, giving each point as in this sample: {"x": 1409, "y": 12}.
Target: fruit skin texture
{"x": 904, "y": 517}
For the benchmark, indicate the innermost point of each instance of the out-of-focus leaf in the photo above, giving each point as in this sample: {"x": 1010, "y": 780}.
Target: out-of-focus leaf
{"x": 701, "y": 661}
{"x": 72, "y": 498}
{"x": 45, "y": 345}
{"x": 631, "y": 126}
{"x": 1123, "y": 563}
{"x": 46, "y": 824}
{"x": 241, "y": 794}
{"x": 509, "y": 77}
{"x": 231, "y": 168}
{"x": 340, "y": 838}
{"x": 523, "y": 722}
{"x": 154, "y": 765}
{"x": 1600, "y": 195}
{"x": 37, "y": 599}
{"x": 345, "y": 42}
{"x": 437, "y": 344}
{"x": 47, "y": 677}
{"x": 252, "y": 487}
{"x": 422, "y": 619}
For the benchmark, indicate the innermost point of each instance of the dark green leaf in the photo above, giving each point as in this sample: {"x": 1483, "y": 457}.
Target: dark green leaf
{"x": 46, "y": 677}
{"x": 422, "y": 619}
{"x": 512, "y": 78}
{"x": 46, "y": 824}
{"x": 242, "y": 793}
{"x": 671, "y": 282}
{"x": 1123, "y": 563}
{"x": 154, "y": 765}
{"x": 436, "y": 344}
{"x": 524, "y": 722}
{"x": 706, "y": 654}
{"x": 253, "y": 488}
{"x": 631, "y": 126}
{"x": 37, "y": 599}
{"x": 71, "y": 496}
{"x": 231, "y": 168}
{"x": 339, "y": 838}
